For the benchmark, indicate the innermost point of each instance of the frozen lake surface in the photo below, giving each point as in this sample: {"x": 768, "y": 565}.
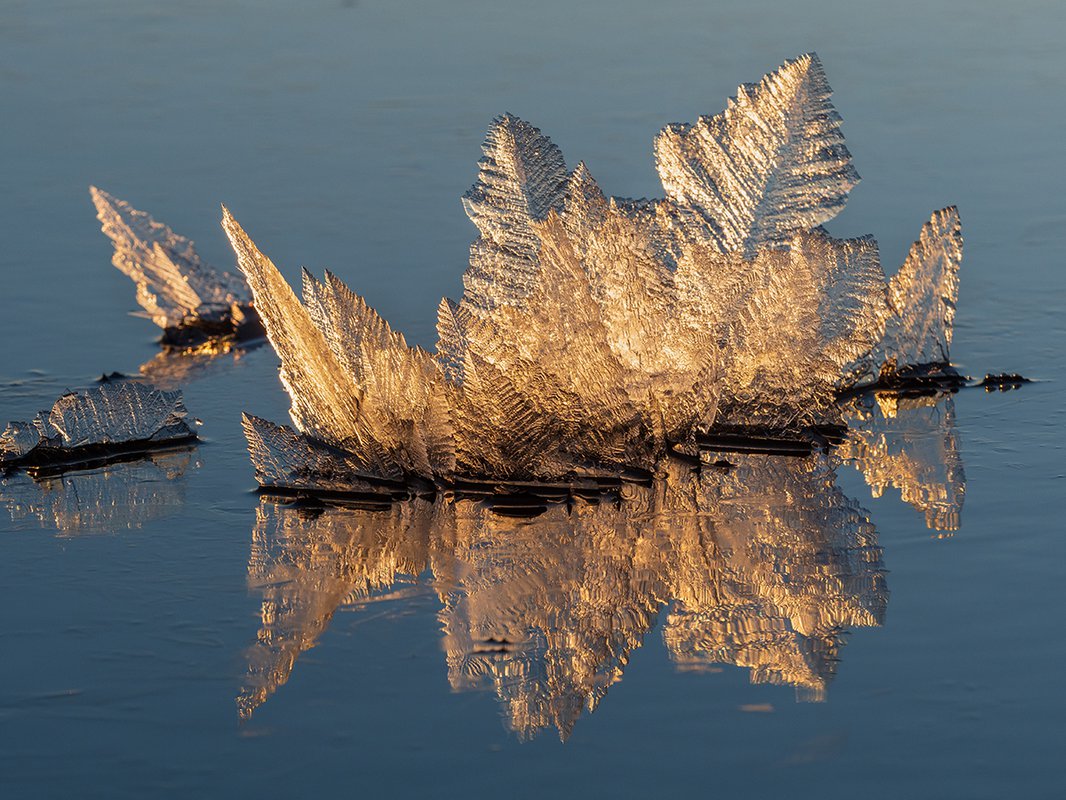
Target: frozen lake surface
{"x": 166, "y": 632}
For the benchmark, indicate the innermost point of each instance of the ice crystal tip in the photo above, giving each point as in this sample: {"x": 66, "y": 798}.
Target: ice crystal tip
{"x": 113, "y": 418}
{"x": 174, "y": 286}
{"x": 922, "y": 296}
{"x": 594, "y": 333}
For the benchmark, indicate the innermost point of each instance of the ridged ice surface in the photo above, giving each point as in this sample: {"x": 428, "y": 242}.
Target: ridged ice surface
{"x": 173, "y": 284}
{"x": 923, "y": 294}
{"x": 910, "y": 444}
{"x": 110, "y": 414}
{"x": 763, "y": 567}
{"x": 596, "y": 332}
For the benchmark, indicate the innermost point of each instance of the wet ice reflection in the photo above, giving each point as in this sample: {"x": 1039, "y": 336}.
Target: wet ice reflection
{"x": 116, "y": 497}
{"x": 910, "y": 444}
{"x": 762, "y": 565}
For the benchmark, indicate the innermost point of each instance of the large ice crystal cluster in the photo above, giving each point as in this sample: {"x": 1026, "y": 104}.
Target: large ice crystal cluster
{"x": 99, "y": 423}
{"x": 596, "y": 333}
{"x": 191, "y": 301}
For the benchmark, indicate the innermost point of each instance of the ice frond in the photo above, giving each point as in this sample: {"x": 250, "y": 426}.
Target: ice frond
{"x": 325, "y": 401}
{"x": 286, "y": 459}
{"x": 402, "y": 387}
{"x": 790, "y": 323}
{"x": 173, "y": 284}
{"x": 923, "y": 294}
{"x": 521, "y": 178}
{"x": 771, "y": 165}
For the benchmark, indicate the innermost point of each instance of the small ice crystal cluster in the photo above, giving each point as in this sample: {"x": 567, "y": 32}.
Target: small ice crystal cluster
{"x": 595, "y": 333}
{"x": 102, "y": 421}
{"x": 190, "y": 300}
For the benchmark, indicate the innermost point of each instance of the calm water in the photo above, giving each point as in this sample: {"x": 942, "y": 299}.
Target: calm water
{"x": 341, "y": 135}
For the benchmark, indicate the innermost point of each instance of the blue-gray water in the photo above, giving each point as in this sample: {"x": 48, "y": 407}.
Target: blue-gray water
{"x": 341, "y": 135}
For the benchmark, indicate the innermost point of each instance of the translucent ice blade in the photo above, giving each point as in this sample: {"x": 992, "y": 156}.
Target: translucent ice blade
{"x": 521, "y": 178}
{"x": 910, "y": 444}
{"x": 325, "y": 401}
{"x": 922, "y": 295}
{"x": 285, "y": 459}
{"x": 172, "y": 282}
{"x": 403, "y": 388}
{"x": 771, "y": 165}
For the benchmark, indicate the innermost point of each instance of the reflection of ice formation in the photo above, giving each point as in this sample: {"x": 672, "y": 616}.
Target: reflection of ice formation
{"x": 191, "y": 301}
{"x": 593, "y": 331}
{"x": 910, "y": 444}
{"x": 763, "y": 566}
{"x": 170, "y": 368}
{"x": 114, "y": 497}
{"x": 106, "y": 421}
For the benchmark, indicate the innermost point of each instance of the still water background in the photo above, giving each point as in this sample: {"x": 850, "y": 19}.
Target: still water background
{"x": 341, "y": 134}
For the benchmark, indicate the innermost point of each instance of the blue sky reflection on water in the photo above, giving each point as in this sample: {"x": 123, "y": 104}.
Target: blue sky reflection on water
{"x": 342, "y": 136}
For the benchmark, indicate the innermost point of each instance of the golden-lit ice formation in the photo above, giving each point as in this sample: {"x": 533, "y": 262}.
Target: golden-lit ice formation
{"x": 596, "y": 333}
{"x": 762, "y": 565}
{"x": 191, "y": 301}
{"x": 115, "y": 418}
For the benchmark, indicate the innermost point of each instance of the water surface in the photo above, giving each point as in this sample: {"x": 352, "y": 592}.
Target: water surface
{"x": 138, "y": 605}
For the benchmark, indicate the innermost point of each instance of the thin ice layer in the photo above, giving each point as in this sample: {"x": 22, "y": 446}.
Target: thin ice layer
{"x": 173, "y": 284}
{"x": 110, "y": 414}
{"x": 923, "y": 294}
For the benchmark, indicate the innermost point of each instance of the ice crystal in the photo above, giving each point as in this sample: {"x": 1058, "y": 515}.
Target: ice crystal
{"x": 763, "y": 566}
{"x": 772, "y": 165}
{"x": 594, "y": 333}
{"x": 923, "y": 294}
{"x": 174, "y": 286}
{"x": 98, "y": 421}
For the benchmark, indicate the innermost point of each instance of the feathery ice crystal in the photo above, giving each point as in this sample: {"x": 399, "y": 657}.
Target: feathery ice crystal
{"x": 110, "y": 419}
{"x": 191, "y": 301}
{"x": 594, "y": 333}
